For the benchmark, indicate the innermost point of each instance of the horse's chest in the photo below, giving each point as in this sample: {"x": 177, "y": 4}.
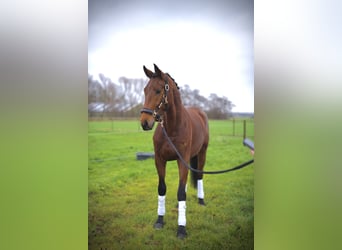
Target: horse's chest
{"x": 167, "y": 152}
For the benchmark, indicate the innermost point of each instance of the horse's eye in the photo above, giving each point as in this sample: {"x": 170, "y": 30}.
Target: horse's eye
{"x": 157, "y": 92}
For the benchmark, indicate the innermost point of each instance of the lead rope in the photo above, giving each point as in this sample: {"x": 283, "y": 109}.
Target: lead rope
{"x": 196, "y": 170}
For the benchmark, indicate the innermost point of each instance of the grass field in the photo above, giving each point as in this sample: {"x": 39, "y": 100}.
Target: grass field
{"x": 122, "y": 192}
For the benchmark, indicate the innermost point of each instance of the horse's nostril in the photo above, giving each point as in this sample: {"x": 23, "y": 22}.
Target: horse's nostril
{"x": 145, "y": 124}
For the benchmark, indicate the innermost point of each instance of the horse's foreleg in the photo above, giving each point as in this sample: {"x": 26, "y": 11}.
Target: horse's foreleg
{"x": 161, "y": 195}
{"x": 181, "y": 195}
{"x": 161, "y": 203}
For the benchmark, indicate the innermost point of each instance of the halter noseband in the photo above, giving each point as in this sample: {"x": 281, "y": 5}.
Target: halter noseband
{"x": 157, "y": 117}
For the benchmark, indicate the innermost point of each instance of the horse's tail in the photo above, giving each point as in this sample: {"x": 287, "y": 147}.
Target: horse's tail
{"x": 194, "y": 175}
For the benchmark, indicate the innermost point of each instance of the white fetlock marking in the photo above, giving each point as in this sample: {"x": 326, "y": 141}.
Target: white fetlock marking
{"x": 161, "y": 205}
{"x": 181, "y": 213}
{"x": 200, "y": 190}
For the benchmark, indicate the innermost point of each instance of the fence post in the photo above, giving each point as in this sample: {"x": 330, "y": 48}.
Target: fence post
{"x": 233, "y": 127}
{"x": 244, "y": 129}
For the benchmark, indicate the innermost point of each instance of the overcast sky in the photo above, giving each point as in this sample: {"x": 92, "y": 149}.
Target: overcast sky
{"x": 205, "y": 44}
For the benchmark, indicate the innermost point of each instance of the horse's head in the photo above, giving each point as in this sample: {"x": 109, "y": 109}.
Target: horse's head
{"x": 156, "y": 97}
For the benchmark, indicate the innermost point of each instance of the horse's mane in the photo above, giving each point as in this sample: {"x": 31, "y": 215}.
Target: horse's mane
{"x": 156, "y": 75}
{"x": 172, "y": 80}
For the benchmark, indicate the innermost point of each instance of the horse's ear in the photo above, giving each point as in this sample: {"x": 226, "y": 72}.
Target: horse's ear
{"x": 148, "y": 72}
{"x": 157, "y": 70}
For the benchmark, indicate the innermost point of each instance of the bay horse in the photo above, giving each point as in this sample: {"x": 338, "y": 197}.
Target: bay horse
{"x": 188, "y": 131}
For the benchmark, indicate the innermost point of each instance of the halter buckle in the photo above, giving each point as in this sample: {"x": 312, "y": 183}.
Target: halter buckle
{"x": 154, "y": 113}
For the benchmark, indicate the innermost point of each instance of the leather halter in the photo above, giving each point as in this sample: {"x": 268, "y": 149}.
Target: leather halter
{"x": 157, "y": 117}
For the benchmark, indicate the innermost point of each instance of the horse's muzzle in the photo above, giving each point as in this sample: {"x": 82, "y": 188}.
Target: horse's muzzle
{"x": 147, "y": 119}
{"x": 146, "y": 126}
{"x": 147, "y": 122}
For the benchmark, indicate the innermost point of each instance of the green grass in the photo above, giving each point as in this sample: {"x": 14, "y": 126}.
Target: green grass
{"x": 123, "y": 192}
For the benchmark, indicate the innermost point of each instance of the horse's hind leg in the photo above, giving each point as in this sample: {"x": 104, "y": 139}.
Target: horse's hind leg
{"x": 161, "y": 165}
{"x": 201, "y": 162}
{"x": 197, "y": 179}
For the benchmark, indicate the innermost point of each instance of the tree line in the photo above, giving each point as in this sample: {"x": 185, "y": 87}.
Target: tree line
{"x": 126, "y": 97}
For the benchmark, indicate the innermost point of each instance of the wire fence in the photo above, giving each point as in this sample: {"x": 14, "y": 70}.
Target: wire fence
{"x": 241, "y": 127}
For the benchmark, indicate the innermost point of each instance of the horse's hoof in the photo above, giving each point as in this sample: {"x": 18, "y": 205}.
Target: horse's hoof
{"x": 201, "y": 201}
{"x": 181, "y": 232}
{"x": 159, "y": 223}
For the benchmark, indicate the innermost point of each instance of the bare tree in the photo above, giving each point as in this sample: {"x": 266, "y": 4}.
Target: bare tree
{"x": 127, "y": 96}
{"x": 219, "y": 107}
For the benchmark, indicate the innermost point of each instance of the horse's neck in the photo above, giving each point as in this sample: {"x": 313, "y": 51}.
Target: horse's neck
{"x": 174, "y": 115}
